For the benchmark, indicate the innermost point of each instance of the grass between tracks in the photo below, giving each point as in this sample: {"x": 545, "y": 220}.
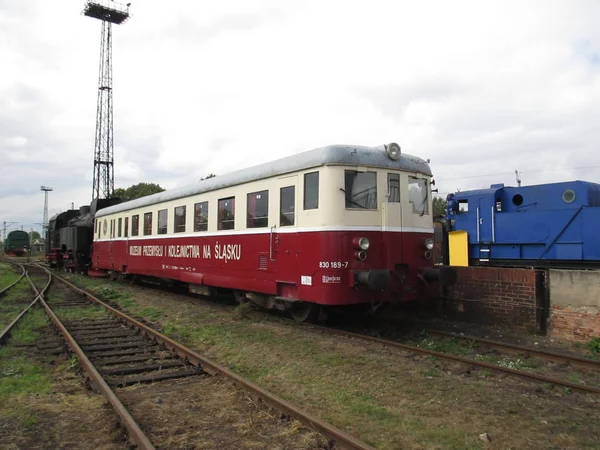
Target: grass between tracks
{"x": 7, "y": 275}
{"x": 13, "y": 302}
{"x": 20, "y": 375}
{"x": 380, "y": 395}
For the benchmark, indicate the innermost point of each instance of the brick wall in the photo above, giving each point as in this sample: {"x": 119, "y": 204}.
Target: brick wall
{"x": 575, "y": 297}
{"x": 575, "y": 323}
{"x": 497, "y": 295}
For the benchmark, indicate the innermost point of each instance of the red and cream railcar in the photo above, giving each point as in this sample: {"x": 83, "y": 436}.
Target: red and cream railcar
{"x": 338, "y": 225}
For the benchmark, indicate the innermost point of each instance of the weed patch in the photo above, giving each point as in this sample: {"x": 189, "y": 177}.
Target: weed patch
{"x": 242, "y": 310}
{"x": 151, "y": 313}
{"x": 27, "y": 331}
{"x": 20, "y": 375}
{"x": 594, "y": 345}
{"x": 446, "y": 346}
{"x": 7, "y": 275}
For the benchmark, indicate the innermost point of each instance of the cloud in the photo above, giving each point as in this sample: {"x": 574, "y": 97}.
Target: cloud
{"x": 480, "y": 88}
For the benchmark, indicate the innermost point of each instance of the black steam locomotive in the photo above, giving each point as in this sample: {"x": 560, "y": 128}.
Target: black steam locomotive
{"x": 70, "y": 236}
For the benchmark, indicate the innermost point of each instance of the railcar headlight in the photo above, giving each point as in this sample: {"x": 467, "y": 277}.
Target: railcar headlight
{"x": 361, "y": 243}
{"x": 360, "y": 255}
{"x": 393, "y": 151}
{"x": 364, "y": 243}
{"x": 429, "y": 244}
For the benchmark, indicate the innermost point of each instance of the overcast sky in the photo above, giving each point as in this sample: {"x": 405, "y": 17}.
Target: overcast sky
{"x": 481, "y": 88}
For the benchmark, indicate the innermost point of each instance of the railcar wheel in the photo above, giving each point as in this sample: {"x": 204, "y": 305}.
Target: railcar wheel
{"x": 304, "y": 312}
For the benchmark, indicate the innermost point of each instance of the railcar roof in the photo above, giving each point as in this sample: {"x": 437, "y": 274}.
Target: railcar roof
{"x": 350, "y": 155}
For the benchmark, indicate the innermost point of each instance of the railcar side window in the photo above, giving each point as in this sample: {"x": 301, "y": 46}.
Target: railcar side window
{"x": 417, "y": 195}
{"x": 147, "y": 224}
{"x": 179, "y": 219}
{"x": 135, "y": 225}
{"x": 287, "y": 205}
{"x": 112, "y": 222}
{"x": 393, "y": 187}
{"x": 226, "y": 216}
{"x": 162, "y": 221}
{"x": 119, "y": 227}
{"x": 361, "y": 189}
{"x": 311, "y": 190}
{"x": 126, "y": 230}
{"x": 258, "y": 209}
{"x": 201, "y": 216}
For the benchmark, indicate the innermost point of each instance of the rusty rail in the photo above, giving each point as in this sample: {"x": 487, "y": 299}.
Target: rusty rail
{"x": 472, "y": 362}
{"x": 343, "y": 439}
{"x": 135, "y": 433}
{"x": 14, "y": 283}
{"x": 514, "y": 348}
{"x": 8, "y": 329}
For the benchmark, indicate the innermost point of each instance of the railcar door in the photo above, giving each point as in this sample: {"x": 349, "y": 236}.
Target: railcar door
{"x": 111, "y": 257}
{"x": 285, "y": 241}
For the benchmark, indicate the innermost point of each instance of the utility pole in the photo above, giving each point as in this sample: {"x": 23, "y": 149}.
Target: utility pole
{"x": 46, "y": 189}
{"x": 518, "y": 178}
{"x": 5, "y": 223}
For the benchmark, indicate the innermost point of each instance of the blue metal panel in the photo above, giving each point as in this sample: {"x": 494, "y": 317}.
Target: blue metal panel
{"x": 558, "y": 221}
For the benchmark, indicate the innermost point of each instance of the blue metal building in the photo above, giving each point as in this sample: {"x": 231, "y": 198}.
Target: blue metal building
{"x": 546, "y": 224}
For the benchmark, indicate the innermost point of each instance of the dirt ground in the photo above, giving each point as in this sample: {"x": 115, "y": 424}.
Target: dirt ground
{"x": 387, "y": 398}
{"x": 210, "y": 413}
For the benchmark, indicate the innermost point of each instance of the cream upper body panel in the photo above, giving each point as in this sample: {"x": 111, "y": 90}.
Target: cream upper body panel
{"x": 332, "y": 211}
{"x": 333, "y": 164}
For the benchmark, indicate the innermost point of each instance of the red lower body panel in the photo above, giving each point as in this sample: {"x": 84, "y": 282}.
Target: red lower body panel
{"x": 318, "y": 267}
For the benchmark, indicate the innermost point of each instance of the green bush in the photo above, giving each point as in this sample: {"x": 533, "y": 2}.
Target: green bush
{"x": 594, "y": 345}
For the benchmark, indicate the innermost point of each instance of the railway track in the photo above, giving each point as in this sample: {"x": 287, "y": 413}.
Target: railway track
{"x": 530, "y": 376}
{"x": 571, "y": 360}
{"x": 514, "y": 349}
{"x": 116, "y": 350}
{"x": 5, "y": 333}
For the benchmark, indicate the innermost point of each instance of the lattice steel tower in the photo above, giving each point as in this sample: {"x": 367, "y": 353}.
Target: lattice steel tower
{"x": 46, "y": 189}
{"x": 108, "y": 12}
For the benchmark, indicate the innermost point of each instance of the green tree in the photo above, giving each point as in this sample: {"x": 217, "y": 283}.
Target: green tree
{"x": 210, "y": 175}
{"x": 137, "y": 191}
{"x": 439, "y": 206}
{"x": 33, "y": 236}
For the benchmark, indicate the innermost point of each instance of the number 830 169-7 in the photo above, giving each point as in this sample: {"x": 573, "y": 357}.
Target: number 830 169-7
{"x": 333, "y": 264}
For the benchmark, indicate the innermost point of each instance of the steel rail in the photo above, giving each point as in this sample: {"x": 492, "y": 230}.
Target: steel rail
{"x": 525, "y": 375}
{"x": 135, "y": 433}
{"x": 343, "y": 439}
{"x": 514, "y": 348}
{"x": 8, "y": 329}
{"x": 18, "y": 279}
{"x": 472, "y": 362}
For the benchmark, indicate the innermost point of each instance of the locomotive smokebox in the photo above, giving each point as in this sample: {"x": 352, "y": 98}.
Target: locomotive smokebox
{"x": 376, "y": 280}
